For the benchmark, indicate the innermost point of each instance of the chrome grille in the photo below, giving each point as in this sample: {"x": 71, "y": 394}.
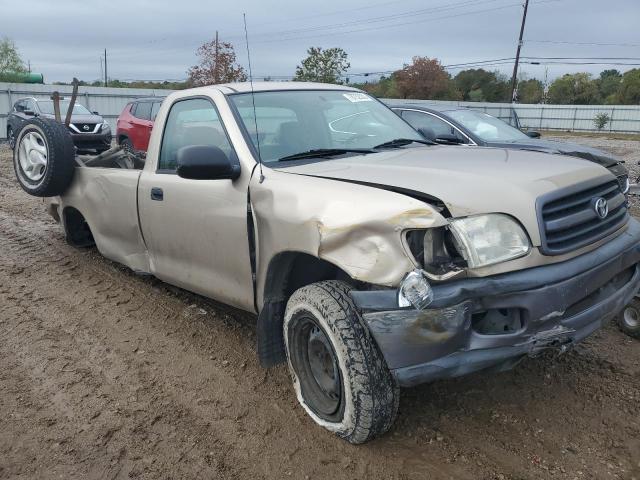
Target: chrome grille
{"x": 569, "y": 219}
{"x": 84, "y": 127}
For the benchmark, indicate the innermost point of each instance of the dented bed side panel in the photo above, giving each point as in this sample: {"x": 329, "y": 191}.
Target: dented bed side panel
{"x": 357, "y": 228}
{"x": 107, "y": 199}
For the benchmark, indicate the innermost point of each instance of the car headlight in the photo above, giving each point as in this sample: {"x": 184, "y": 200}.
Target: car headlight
{"x": 105, "y": 127}
{"x": 623, "y": 181}
{"x": 488, "y": 239}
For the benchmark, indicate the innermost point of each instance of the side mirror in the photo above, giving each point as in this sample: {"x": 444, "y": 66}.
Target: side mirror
{"x": 427, "y": 133}
{"x": 205, "y": 162}
{"x": 448, "y": 139}
{"x": 532, "y": 134}
{"x": 29, "y": 113}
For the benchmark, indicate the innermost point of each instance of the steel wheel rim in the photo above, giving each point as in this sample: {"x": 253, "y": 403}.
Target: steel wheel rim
{"x": 33, "y": 156}
{"x": 323, "y": 364}
{"x": 316, "y": 365}
{"x": 631, "y": 317}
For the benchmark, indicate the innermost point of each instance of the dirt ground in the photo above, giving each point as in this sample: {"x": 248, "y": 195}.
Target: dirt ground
{"x": 109, "y": 375}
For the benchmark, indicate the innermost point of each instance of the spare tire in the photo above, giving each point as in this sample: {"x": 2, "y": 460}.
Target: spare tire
{"x": 44, "y": 157}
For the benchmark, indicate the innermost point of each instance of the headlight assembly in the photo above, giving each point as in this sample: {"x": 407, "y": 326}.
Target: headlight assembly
{"x": 488, "y": 239}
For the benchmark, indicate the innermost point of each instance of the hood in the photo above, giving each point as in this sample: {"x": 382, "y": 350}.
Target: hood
{"x": 91, "y": 118}
{"x": 563, "y": 148}
{"x": 468, "y": 180}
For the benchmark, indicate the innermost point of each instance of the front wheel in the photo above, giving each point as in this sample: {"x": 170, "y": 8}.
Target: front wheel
{"x": 629, "y": 318}
{"x": 339, "y": 374}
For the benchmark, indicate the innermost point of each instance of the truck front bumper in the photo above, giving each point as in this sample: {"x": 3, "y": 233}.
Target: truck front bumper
{"x": 478, "y": 323}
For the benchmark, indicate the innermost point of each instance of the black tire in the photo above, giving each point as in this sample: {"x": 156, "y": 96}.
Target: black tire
{"x": 363, "y": 401}
{"x": 11, "y": 138}
{"x": 54, "y": 176}
{"x": 126, "y": 145}
{"x": 629, "y": 319}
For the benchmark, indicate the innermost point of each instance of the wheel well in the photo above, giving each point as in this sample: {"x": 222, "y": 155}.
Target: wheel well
{"x": 76, "y": 228}
{"x": 288, "y": 271}
{"x": 121, "y": 138}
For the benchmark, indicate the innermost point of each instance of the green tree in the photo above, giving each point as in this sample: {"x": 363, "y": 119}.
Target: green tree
{"x": 217, "y": 65}
{"x": 609, "y": 85}
{"x": 530, "y": 91}
{"x": 11, "y": 63}
{"x": 424, "y": 78}
{"x": 386, "y": 87}
{"x": 574, "y": 89}
{"x": 479, "y": 85}
{"x": 629, "y": 92}
{"x": 326, "y": 66}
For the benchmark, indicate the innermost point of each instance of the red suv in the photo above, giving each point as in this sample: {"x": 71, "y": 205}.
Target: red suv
{"x": 135, "y": 123}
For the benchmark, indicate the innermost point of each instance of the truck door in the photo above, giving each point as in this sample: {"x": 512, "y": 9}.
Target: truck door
{"x": 196, "y": 230}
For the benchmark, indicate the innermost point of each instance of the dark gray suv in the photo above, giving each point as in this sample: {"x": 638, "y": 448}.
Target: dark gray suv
{"x": 88, "y": 129}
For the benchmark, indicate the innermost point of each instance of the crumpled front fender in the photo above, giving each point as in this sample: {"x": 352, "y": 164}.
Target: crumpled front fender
{"x": 355, "y": 227}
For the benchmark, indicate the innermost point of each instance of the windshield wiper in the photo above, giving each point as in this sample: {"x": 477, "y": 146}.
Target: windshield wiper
{"x": 401, "y": 142}
{"x": 325, "y": 152}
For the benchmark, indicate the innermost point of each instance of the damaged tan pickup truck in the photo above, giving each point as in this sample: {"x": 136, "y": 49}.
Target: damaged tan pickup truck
{"x": 372, "y": 258}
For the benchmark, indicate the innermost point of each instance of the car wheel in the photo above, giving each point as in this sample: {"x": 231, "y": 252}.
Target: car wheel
{"x": 629, "y": 318}
{"x": 127, "y": 146}
{"x": 44, "y": 157}
{"x": 338, "y": 372}
{"x": 11, "y": 137}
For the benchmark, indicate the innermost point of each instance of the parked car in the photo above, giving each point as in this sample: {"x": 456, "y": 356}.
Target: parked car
{"x": 89, "y": 131}
{"x": 370, "y": 259}
{"x": 463, "y": 126}
{"x": 134, "y": 125}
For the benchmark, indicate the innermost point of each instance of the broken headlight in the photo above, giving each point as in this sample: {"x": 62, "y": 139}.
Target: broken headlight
{"x": 487, "y": 239}
{"x": 434, "y": 250}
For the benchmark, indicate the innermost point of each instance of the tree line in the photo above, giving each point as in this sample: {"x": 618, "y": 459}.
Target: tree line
{"x": 424, "y": 78}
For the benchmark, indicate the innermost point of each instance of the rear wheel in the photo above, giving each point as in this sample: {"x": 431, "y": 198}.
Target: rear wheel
{"x": 339, "y": 375}
{"x": 11, "y": 137}
{"x": 629, "y": 318}
{"x": 44, "y": 157}
{"x": 126, "y": 145}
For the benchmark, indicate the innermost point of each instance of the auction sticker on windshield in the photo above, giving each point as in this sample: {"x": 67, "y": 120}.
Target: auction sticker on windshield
{"x": 357, "y": 97}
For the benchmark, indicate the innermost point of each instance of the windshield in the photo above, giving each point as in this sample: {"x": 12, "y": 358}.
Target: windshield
{"x": 46, "y": 107}
{"x": 488, "y": 128}
{"x": 291, "y": 122}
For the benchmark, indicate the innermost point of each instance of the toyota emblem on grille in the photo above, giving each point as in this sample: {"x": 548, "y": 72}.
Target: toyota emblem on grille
{"x": 601, "y": 207}
{"x": 85, "y": 127}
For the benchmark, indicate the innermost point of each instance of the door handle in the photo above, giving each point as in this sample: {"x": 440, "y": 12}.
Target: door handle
{"x": 157, "y": 194}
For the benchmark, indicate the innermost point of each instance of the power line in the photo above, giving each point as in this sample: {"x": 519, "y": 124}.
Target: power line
{"x": 384, "y": 18}
{"x": 582, "y": 58}
{"x": 388, "y": 27}
{"x": 560, "y": 42}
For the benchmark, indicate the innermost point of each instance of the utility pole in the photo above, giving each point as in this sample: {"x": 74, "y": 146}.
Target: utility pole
{"x": 29, "y": 63}
{"x": 216, "y": 69}
{"x": 105, "y": 68}
{"x": 514, "y": 77}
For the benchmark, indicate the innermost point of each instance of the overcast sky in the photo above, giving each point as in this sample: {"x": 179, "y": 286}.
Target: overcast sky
{"x": 157, "y": 39}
